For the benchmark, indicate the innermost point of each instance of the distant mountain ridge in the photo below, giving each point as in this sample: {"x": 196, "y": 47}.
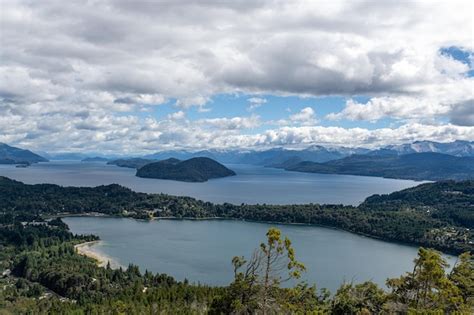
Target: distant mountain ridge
{"x": 268, "y": 157}
{"x": 457, "y": 148}
{"x": 95, "y": 159}
{"x": 416, "y": 166}
{"x": 281, "y": 157}
{"x": 132, "y": 162}
{"x": 13, "y": 155}
{"x": 317, "y": 153}
{"x": 198, "y": 169}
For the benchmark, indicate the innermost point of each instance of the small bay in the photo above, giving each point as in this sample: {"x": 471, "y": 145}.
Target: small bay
{"x": 201, "y": 250}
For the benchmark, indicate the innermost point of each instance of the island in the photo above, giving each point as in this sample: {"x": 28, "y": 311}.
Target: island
{"x": 198, "y": 169}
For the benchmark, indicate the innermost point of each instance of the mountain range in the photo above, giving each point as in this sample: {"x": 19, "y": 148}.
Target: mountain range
{"x": 411, "y": 161}
{"x": 457, "y": 148}
{"x": 316, "y": 153}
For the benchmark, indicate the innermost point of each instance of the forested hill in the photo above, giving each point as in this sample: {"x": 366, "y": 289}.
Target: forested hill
{"x": 447, "y": 200}
{"x": 414, "y": 220}
{"x": 199, "y": 169}
{"x": 418, "y": 166}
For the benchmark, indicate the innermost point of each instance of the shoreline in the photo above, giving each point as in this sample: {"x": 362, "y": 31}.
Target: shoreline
{"x": 86, "y": 249}
{"x": 172, "y": 218}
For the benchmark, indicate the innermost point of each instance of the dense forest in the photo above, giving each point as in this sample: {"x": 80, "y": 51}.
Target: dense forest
{"x": 437, "y": 215}
{"x": 41, "y": 273}
{"x": 416, "y": 166}
{"x": 198, "y": 169}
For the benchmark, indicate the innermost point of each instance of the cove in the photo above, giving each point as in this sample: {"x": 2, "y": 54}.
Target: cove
{"x": 201, "y": 250}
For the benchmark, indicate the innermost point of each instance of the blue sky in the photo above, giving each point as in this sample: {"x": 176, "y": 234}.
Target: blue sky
{"x": 107, "y": 78}
{"x": 275, "y": 108}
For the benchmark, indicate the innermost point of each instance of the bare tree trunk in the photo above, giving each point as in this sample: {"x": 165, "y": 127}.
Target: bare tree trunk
{"x": 266, "y": 281}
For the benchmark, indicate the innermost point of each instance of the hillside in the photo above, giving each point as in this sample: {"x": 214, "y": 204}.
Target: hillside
{"x": 131, "y": 163}
{"x": 446, "y": 200}
{"x": 13, "y": 155}
{"x": 198, "y": 169}
{"x": 418, "y": 166}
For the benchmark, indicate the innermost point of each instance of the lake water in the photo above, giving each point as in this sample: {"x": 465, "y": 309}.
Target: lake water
{"x": 253, "y": 184}
{"x": 201, "y": 251}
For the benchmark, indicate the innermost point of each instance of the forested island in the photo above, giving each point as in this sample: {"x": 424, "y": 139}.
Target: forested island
{"x": 198, "y": 169}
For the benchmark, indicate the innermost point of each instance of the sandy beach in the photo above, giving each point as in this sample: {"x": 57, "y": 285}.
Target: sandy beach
{"x": 87, "y": 249}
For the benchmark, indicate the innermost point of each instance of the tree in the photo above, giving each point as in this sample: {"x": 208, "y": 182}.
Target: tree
{"x": 257, "y": 282}
{"x": 427, "y": 287}
{"x": 364, "y": 298}
{"x": 462, "y": 276}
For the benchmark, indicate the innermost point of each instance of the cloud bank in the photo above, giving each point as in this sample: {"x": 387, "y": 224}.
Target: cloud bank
{"x": 76, "y": 76}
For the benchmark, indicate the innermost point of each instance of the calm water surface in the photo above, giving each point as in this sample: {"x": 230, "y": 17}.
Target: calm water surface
{"x": 201, "y": 251}
{"x": 253, "y": 184}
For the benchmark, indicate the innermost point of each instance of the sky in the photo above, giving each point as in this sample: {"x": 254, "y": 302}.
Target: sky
{"x": 135, "y": 77}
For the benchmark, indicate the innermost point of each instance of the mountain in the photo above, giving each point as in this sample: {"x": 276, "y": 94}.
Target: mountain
{"x": 13, "y": 155}
{"x": 270, "y": 157}
{"x": 417, "y": 166}
{"x": 198, "y": 169}
{"x": 69, "y": 156}
{"x": 95, "y": 159}
{"x": 131, "y": 163}
{"x": 456, "y": 148}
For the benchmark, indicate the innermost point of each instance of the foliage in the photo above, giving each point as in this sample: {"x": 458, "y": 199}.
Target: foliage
{"x": 48, "y": 276}
{"x": 427, "y": 286}
{"x": 198, "y": 169}
{"x": 437, "y": 215}
{"x": 416, "y": 166}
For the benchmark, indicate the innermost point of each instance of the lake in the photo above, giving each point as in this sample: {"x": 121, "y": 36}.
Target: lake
{"x": 253, "y": 184}
{"x": 201, "y": 251}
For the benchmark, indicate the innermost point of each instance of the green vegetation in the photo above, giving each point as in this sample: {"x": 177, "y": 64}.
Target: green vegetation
{"x": 40, "y": 273}
{"x": 436, "y": 215}
{"x": 199, "y": 169}
{"x": 418, "y": 166}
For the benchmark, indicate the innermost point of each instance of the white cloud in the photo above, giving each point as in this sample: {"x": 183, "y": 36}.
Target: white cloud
{"x": 75, "y": 75}
{"x": 436, "y": 101}
{"x": 304, "y": 117}
{"x": 177, "y": 115}
{"x": 234, "y": 123}
{"x": 255, "y": 102}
